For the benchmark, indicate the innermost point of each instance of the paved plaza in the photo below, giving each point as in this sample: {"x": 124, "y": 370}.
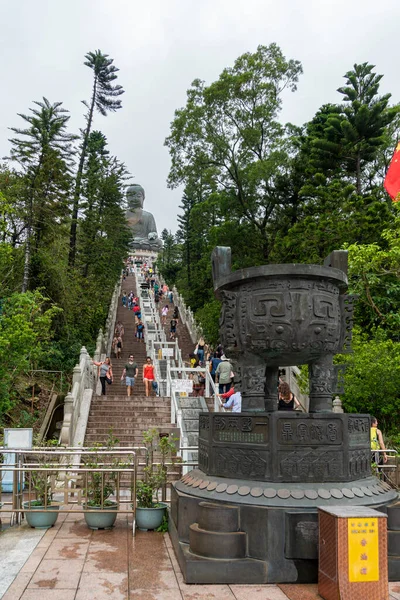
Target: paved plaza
{"x": 72, "y": 562}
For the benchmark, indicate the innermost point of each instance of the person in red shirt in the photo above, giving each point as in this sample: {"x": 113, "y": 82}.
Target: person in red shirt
{"x": 148, "y": 375}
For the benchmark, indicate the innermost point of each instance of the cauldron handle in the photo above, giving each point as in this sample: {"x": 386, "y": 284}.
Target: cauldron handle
{"x": 221, "y": 260}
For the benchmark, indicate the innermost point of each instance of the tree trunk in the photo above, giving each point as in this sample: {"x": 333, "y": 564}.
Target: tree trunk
{"x": 77, "y": 192}
{"x": 27, "y": 260}
{"x": 358, "y": 173}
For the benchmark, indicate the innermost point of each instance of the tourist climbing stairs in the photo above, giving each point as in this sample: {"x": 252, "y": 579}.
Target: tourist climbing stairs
{"x": 127, "y": 417}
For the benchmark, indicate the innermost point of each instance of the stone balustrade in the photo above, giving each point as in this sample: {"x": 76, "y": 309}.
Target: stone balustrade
{"x": 84, "y": 380}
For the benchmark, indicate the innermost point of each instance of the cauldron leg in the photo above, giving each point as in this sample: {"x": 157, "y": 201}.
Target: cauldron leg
{"x": 252, "y": 377}
{"x": 271, "y": 389}
{"x": 322, "y": 381}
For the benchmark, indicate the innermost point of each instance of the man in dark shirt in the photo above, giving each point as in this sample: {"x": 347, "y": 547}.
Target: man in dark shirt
{"x": 173, "y": 329}
{"x": 130, "y": 373}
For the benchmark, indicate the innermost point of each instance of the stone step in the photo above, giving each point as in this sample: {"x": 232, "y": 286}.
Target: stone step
{"x": 142, "y": 425}
{"x": 133, "y": 401}
{"x": 217, "y": 544}
{"x": 189, "y": 402}
{"x": 131, "y": 405}
{"x": 218, "y": 517}
{"x": 92, "y": 438}
{"x": 193, "y": 438}
{"x": 131, "y": 431}
{"x": 129, "y": 409}
{"x": 128, "y": 420}
{"x": 192, "y": 425}
{"x": 119, "y": 419}
{"x": 191, "y": 413}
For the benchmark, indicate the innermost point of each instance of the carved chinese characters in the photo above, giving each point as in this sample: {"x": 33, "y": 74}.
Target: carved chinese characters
{"x": 310, "y": 432}
{"x": 285, "y": 447}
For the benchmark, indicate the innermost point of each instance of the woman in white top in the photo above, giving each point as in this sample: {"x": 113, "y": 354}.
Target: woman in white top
{"x": 164, "y": 314}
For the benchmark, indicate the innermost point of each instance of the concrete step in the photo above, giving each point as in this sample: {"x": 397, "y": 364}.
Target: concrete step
{"x": 191, "y": 413}
{"x": 136, "y": 432}
{"x": 93, "y": 437}
{"x": 127, "y": 420}
{"x": 133, "y": 400}
{"x": 131, "y": 406}
{"x": 192, "y": 425}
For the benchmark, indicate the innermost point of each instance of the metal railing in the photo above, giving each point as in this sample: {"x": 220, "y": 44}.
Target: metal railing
{"x": 390, "y": 471}
{"x": 104, "y": 474}
{"x": 58, "y": 472}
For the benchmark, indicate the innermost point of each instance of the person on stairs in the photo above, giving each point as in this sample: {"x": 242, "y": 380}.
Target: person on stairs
{"x": 172, "y": 328}
{"x": 200, "y": 349}
{"x": 114, "y": 345}
{"x": 120, "y": 345}
{"x": 119, "y": 329}
{"x": 233, "y": 400}
{"x": 105, "y": 373}
{"x": 130, "y": 373}
{"x": 140, "y": 331}
{"x": 164, "y": 314}
{"x": 148, "y": 375}
{"x": 223, "y": 375}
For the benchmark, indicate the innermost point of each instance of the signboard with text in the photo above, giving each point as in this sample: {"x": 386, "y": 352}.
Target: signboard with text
{"x": 182, "y": 385}
{"x": 363, "y": 544}
{"x": 167, "y": 352}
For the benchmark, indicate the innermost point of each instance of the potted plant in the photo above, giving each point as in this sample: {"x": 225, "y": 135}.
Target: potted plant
{"x": 101, "y": 484}
{"x": 41, "y": 481}
{"x": 150, "y": 512}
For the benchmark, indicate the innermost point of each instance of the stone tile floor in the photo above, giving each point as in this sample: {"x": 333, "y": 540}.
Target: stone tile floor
{"x": 73, "y": 563}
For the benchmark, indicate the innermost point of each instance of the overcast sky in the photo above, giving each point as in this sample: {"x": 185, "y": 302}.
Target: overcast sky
{"x": 160, "y": 46}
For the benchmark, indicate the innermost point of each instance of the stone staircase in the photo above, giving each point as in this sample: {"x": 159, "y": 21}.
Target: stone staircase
{"x": 127, "y": 417}
{"x": 182, "y": 333}
{"x": 131, "y": 346}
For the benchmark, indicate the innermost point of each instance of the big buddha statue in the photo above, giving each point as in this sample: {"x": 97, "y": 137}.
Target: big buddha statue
{"x": 141, "y": 222}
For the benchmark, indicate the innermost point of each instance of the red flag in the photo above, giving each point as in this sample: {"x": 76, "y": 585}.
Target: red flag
{"x": 392, "y": 179}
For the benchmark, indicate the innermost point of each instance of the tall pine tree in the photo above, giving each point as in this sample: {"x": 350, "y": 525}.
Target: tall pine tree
{"x": 104, "y": 99}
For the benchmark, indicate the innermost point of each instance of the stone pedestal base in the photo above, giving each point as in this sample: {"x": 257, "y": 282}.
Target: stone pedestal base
{"x": 279, "y": 521}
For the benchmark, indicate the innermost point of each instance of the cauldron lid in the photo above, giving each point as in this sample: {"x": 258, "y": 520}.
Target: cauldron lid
{"x": 283, "y": 271}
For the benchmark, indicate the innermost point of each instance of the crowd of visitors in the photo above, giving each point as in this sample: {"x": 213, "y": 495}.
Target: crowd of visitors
{"x": 203, "y": 359}
{"x": 221, "y": 370}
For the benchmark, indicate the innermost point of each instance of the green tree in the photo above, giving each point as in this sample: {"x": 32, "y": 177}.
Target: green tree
{"x": 372, "y": 379}
{"x": 354, "y": 136}
{"x": 25, "y": 332}
{"x": 374, "y": 275}
{"x": 169, "y": 260}
{"x": 231, "y": 127}
{"x": 104, "y": 99}
{"x": 45, "y": 151}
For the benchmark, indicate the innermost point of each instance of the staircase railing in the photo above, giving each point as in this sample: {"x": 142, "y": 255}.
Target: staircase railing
{"x": 187, "y": 317}
{"x": 77, "y": 401}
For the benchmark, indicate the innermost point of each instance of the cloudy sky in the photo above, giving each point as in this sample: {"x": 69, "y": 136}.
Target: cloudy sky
{"x": 160, "y": 46}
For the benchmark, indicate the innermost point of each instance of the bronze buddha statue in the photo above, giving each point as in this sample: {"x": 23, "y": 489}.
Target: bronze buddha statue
{"x": 141, "y": 222}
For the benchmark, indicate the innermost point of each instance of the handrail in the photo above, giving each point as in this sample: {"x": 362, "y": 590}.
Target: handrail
{"x": 218, "y": 407}
{"x": 85, "y": 377}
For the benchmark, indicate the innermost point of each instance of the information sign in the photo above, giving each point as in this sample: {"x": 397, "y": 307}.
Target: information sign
{"x": 182, "y": 385}
{"x": 363, "y": 545}
{"x": 167, "y": 352}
